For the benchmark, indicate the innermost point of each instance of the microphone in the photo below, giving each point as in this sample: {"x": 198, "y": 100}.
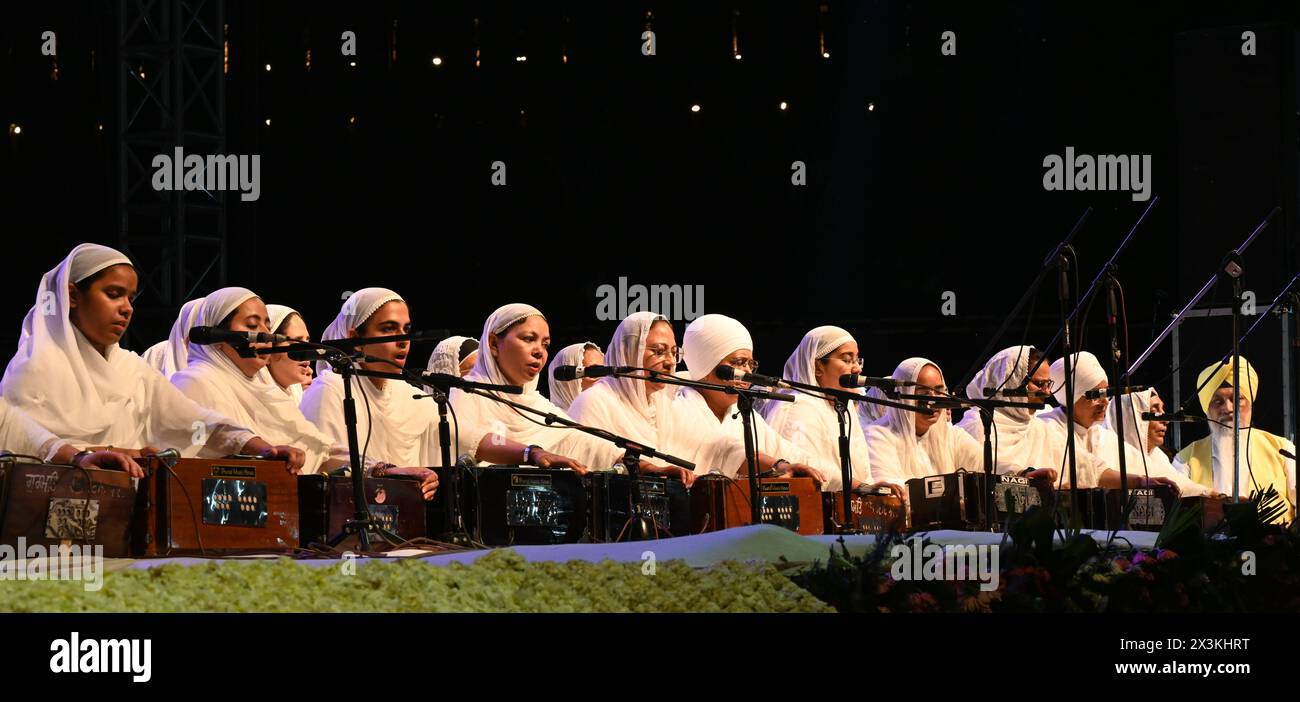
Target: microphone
{"x": 1171, "y": 417}
{"x": 1111, "y": 392}
{"x": 729, "y": 373}
{"x": 575, "y": 372}
{"x": 205, "y": 336}
{"x": 1017, "y": 392}
{"x": 853, "y": 380}
{"x": 1287, "y": 454}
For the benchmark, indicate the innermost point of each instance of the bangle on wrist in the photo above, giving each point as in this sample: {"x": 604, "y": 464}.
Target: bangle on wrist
{"x": 76, "y": 458}
{"x": 530, "y": 454}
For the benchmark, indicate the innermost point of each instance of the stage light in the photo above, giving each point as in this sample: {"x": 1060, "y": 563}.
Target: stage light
{"x": 437, "y": 60}
{"x": 737, "y": 57}
{"x": 784, "y": 105}
{"x": 268, "y": 121}
{"x": 352, "y": 64}
{"x": 268, "y": 68}
{"x": 352, "y": 120}
{"x": 695, "y": 108}
{"x": 521, "y": 58}
{"x": 15, "y": 130}
{"x": 826, "y": 54}
{"x": 99, "y": 127}
{"x": 871, "y": 107}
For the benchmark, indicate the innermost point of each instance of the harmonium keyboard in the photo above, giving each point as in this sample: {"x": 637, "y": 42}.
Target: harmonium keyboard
{"x": 508, "y": 505}
{"x": 872, "y": 514}
{"x": 205, "y": 507}
{"x": 663, "y": 509}
{"x": 719, "y": 502}
{"x": 53, "y": 505}
{"x": 326, "y": 502}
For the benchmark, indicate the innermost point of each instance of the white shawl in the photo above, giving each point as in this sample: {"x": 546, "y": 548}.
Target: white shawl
{"x": 897, "y": 454}
{"x": 172, "y": 354}
{"x": 1020, "y": 439}
{"x": 563, "y": 392}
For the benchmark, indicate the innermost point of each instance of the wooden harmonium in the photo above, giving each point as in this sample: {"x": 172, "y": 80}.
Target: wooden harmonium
{"x": 326, "y": 502}
{"x": 215, "y": 507}
{"x": 948, "y": 501}
{"x": 1213, "y": 508}
{"x": 872, "y": 513}
{"x": 51, "y": 505}
{"x": 719, "y": 502}
{"x": 507, "y": 505}
{"x": 1014, "y": 495}
{"x": 662, "y": 509}
{"x": 1104, "y": 509}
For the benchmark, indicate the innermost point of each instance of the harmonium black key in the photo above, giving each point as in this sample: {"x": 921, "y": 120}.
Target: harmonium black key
{"x": 54, "y": 505}
{"x": 663, "y": 508}
{"x": 523, "y": 505}
{"x": 872, "y": 513}
{"x": 325, "y": 503}
{"x": 948, "y": 501}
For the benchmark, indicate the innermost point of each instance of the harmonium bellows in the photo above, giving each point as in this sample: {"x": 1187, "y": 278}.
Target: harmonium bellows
{"x": 54, "y": 505}
{"x": 215, "y": 507}
{"x": 326, "y": 503}
{"x": 719, "y": 502}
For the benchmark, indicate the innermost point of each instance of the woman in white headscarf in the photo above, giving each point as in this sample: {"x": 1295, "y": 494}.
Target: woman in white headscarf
{"x": 71, "y": 376}
{"x": 905, "y": 445}
{"x": 291, "y": 376}
{"x": 581, "y": 354}
{"x": 641, "y": 410}
{"x": 708, "y": 420}
{"x": 1096, "y": 448}
{"x": 512, "y": 351}
{"x": 172, "y": 354}
{"x": 240, "y": 388}
{"x": 824, "y": 354}
{"x": 394, "y": 428}
{"x": 1021, "y": 443}
{"x": 1144, "y": 438}
{"x": 454, "y": 355}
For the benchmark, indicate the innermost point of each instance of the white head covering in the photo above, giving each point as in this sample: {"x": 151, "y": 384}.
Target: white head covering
{"x": 1007, "y": 369}
{"x": 359, "y": 307}
{"x": 1135, "y": 427}
{"x": 1088, "y": 374}
{"x": 711, "y": 338}
{"x": 215, "y": 308}
{"x": 276, "y": 314}
{"x": 627, "y": 348}
{"x": 563, "y": 392}
{"x": 66, "y": 386}
{"x": 446, "y": 356}
{"x": 902, "y": 426}
{"x": 173, "y": 354}
{"x": 801, "y": 366}
{"x": 506, "y": 316}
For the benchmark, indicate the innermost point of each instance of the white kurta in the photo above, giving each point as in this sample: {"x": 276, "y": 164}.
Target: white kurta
{"x": 20, "y": 434}
{"x": 810, "y": 423}
{"x": 401, "y": 430}
{"x": 719, "y": 445}
{"x": 1020, "y": 440}
{"x": 885, "y": 447}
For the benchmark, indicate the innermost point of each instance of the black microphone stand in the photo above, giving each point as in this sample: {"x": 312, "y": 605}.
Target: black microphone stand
{"x": 1232, "y": 268}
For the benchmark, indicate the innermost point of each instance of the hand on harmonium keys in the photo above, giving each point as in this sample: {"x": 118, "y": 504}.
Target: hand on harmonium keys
{"x": 293, "y": 457}
{"x": 1048, "y": 474}
{"x": 109, "y": 459}
{"x": 428, "y": 478}
{"x": 545, "y": 459}
{"x": 873, "y": 488}
{"x": 687, "y": 477}
{"x": 800, "y": 470}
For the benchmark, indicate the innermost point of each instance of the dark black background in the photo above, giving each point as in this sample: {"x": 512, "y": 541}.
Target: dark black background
{"x": 939, "y": 188}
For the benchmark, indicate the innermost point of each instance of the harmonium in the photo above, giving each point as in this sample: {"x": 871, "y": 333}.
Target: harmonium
{"x": 508, "y": 505}
{"x": 1104, "y": 508}
{"x": 1213, "y": 508}
{"x": 959, "y": 500}
{"x": 872, "y": 513}
{"x": 327, "y": 502}
{"x": 191, "y": 506}
{"x": 53, "y": 505}
{"x": 719, "y": 502}
{"x": 660, "y": 508}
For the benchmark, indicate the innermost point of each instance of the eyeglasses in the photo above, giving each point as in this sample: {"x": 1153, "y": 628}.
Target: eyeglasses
{"x": 1042, "y": 385}
{"x": 749, "y": 365}
{"x": 662, "y": 351}
{"x": 855, "y": 361}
